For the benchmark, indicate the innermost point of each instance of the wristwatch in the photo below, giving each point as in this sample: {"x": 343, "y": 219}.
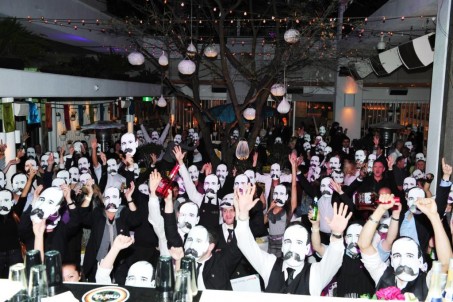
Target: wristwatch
{"x": 338, "y": 236}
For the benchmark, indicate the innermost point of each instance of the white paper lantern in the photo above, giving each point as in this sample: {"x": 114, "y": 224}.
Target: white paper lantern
{"x": 161, "y": 102}
{"x": 242, "y": 150}
{"x": 292, "y": 36}
{"x": 284, "y": 106}
{"x": 278, "y": 90}
{"x": 163, "y": 59}
{"x": 186, "y": 67}
{"x": 136, "y": 58}
{"x": 210, "y": 51}
{"x": 249, "y": 114}
{"x": 191, "y": 50}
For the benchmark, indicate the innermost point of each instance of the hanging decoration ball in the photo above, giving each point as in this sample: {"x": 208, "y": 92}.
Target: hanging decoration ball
{"x": 292, "y": 36}
{"x": 242, "y": 150}
{"x": 249, "y": 114}
{"x": 136, "y": 58}
{"x": 284, "y": 106}
{"x": 163, "y": 59}
{"x": 186, "y": 67}
{"x": 191, "y": 50}
{"x": 210, "y": 51}
{"x": 161, "y": 102}
{"x": 278, "y": 90}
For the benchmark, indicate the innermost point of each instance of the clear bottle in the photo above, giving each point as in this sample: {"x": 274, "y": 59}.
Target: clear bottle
{"x": 435, "y": 287}
{"x": 165, "y": 183}
{"x": 448, "y": 292}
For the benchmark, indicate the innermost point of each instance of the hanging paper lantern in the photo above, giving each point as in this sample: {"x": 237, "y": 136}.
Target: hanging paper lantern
{"x": 163, "y": 59}
{"x": 191, "y": 50}
{"x": 210, "y": 51}
{"x": 292, "y": 36}
{"x": 249, "y": 114}
{"x": 242, "y": 150}
{"x": 278, "y": 90}
{"x": 186, "y": 67}
{"x": 284, "y": 106}
{"x": 161, "y": 102}
{"x": 136, "y": 58}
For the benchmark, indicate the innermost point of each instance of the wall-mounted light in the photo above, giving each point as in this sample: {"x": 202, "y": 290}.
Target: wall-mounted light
{"x": 58, "y": 116}
{"x": 349, "y": 100}
{"x": 73, "y": 116}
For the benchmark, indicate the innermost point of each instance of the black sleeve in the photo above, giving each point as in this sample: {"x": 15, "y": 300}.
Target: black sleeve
{"x": 103, "y": 181}
{"x": 171, "y": 231}
{"x": 18, "y": 208}
{"x": 47, "y": 179}
{"x": 306, "y": 186}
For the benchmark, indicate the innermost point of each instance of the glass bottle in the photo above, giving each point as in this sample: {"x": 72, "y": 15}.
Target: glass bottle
{"x": 448, "y": 292}
{"x": 315, "y": 209}
{"x": 435, "y": 287}
{"x": 165, "y": 183}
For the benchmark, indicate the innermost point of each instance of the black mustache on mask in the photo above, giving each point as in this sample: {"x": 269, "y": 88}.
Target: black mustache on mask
{"x": 4, "y": 209}
{"x": 113, "y": 171}
{"x": 44, "y": 167}
{"x": 279, "y": 201}
{"x": 37, "y": 212}
{"x": 383, "y": 227}
{"x": 187, "y": 225}
{"x": 290, "y": 255}
{"x": 325, "y": 192}
{"x": 17, "y": 190}
{"x": 274, "y": 176}
{"x": 83, "y": 169}
{"x": 191, "y": 252}
{"x": 129, "y": 150}
{"x": 111, "y": 206}
{"x": 352, "y": 245}
{"x": 405, "y": 269}
{"x": 209, "y": 191}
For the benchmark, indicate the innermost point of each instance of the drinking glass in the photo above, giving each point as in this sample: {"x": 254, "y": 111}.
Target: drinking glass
{"x": 17, "y": 274}
{"x": 37, "y": 285}
{"x": 32, "y": 258}
{"x": 183, "y": 291}
{"x": 188, "y": 264}
{"x": 165, "y": 278}
{"x": 52, "y": 260}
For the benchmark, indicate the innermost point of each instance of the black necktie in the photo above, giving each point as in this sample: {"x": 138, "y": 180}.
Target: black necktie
{"x": 290, "y": 278}
{"x": 198, "y": 268}
{"x": 230, "y": 235}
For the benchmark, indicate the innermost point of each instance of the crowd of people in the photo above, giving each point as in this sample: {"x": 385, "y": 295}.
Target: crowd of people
{"x": 311, "y": 214}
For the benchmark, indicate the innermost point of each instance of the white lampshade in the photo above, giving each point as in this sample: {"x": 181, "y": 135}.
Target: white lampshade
{"x": 210, "y": 51}
{"x": 242, "y": 150}
{"x": 161, "y": 102}
{"x": 163, "y": 59}
{"x": 278, "y": 90}
{"x": 186, "y": 67}
{"x": 292, "y": 36}
{"x": 284, "y": 106}
{"x": 136, "y": 58}
{"x": 249, "y": 114}
{"x": 191, "y": 50}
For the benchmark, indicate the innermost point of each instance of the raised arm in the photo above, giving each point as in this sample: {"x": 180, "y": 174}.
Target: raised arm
{"x": 94, "y": 156}
{"x": 121, "y": 242}
{"x": 294, "y": 163}
{"x": 393, "y": 228}
{"x": 191, "y": 190}
{"x": 316, "y": 244}
{"x": 163, "y": 135}
{"x": 154, "y": 215}
{"x": 145, "y": 134}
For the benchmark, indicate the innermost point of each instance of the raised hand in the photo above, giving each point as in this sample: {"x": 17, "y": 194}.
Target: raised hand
{"x": 427, "y": 206}
{"x": 390, "y": 161}
{"x": 340, "y": 218}
{"x": 129, "y": 191}
{"x": 208, "y": 169}
{"x": 153, "y": 158}
{"x": 37, "y": 192}
{"x": 176, "y": 253}
{"x": 446, "y": 169}
{"x": 255, "y": 158}
{"x": 179, "y": 155}
{"x": 66, "y": 192}
{"x": 154, "y": 180}
{"x": 94, "y": 144}
{"x": 39, "y": 227}
{"x": 89, "y": 186}
{"x": 122, "y": 242}
{"x": 336, "y": 187}
{"x": 293, "y": 159}
{"x": 51, "y": 159}
{"x": 386, "y": 201}
{"x": 244, "y": 202}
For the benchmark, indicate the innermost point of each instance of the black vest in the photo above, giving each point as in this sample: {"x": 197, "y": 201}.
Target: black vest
{"x": 209, "y": 213}
{"x": 418, "y": 286}
{"x": 299, "y": 286}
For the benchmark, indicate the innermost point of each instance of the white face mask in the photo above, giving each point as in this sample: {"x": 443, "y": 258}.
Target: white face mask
{"x": 129, "y": 144}
{"x": 188, "y": 217}
{"x": 227, "y": 202}
{"x": 194, "y": 173}
{"x": 257, "y": 141}
{"x": 18, "y": 183}
{"x": 78, "y": 147}
{"x": 235, "y": 134}
{"x": 409, "y": 183}
{"x": 197, "y": 243}
{"x": 177, "y": 139}
{"x": 307, "y": 138}
{"x": 84, "y": 178}
{"x": 325, "y": 188}
{"x": 327, "y": 150}
{"x": 112, "y": 199}
{"x": 351, "y": 239}
{"x": 418, "y": 174}
{"x": 211, "y": 185}
{"x": 56, "y": 157}
{"x": 419, "y": 156}
{"x": 112, "y": 167}
{"x": 63, "y": 174}
{"x": 251, "y": 175}
{"x": 44, "y": 163}
{"x": 306, "y": 146}
{"x": 412, "y": 196}
{"x": 74, "y": 174}
{"x": 240, "y": 182}
{"x": 314, "y": 173}
{"x": 136, "y": 171}
{"x": 275, "y": 171}
{"x": 322, "y": 130}
{"x": 140, "y": 135}
{"x": 84, "y": 165}
{"x": 182, "y": 188}
{"x": 314, "y": 161}
{"x": 409, "y": 145}
{"x": 280, "y": 196}
{"x": 191, "y": 132}
{"x": 320, "y": 147}
{"x": 57, "y": 182}
{"x": 384, "y": 223}
{"x": 335, "y": 163}
{"x": 195, "y": 137}
{"x": 338, "y": 177}
{"x": 30, "y": 164}
{"x": 6, "y": 202}
{"x": 47, "y": 204}
{"x": 278, "y": 140}
{"x": 360, "y": 156}
{"x": 154, "y": 137}
{"x": 406, "y": 253}
{"x": 2, "y": 180}
{"x": 295, "y": 246}
{"x": 144, "y": 189}
{"x": 31, "y": 153}
{"x": 140, "y": 274}
{"x": 222, "y": 172}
